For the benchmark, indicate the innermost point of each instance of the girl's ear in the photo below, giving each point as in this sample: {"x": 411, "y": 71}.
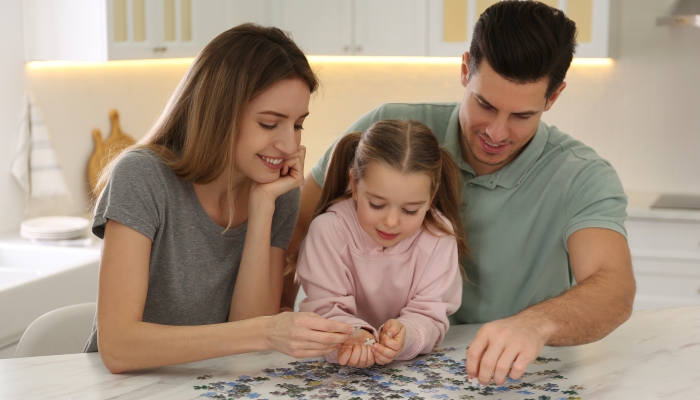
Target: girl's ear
{"x": 353, "y": 184}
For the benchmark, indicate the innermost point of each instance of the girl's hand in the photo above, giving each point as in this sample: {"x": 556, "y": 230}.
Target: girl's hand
{"x": 391, "y": 341}
{"x": 291, "y": 177}
{"x": 302, "y": 335}
{"x": 354, "y": 353}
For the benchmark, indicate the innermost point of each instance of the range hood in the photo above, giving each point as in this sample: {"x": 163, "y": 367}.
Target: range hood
{"x": 685, "y": 13}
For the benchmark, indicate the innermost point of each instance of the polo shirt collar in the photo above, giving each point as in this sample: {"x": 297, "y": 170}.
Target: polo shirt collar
{"x": 515, "y": 172}
{"x": 507, "y": 177}
{"x": 451, "y": 143}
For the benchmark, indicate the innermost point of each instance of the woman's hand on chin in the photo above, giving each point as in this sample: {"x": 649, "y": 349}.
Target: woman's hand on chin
{"x": 291, "y": 177}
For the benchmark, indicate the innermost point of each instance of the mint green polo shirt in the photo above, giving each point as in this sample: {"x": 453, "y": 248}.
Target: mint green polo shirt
{"x": 518, "y": 219}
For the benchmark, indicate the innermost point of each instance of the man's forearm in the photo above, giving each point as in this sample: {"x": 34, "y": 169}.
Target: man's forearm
{"x": 585, "y": 313}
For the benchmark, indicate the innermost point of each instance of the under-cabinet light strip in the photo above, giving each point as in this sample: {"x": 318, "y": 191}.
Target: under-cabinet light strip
{"x": 312, "y": 59}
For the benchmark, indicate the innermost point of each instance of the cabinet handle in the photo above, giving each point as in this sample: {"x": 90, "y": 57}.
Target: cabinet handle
{"x": 346, "y": 48}
{"x": 159, "y": 49}
{"x": 358, "y": 49}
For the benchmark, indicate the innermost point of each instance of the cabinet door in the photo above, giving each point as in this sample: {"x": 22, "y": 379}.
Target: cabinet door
{"x": 131, "y": 32}
{"x": 141, "y": 29}
{"x": 182, "y": 27}
{"x": 319, "y": 27}
{"x": 452, "y": 23}
{"x": 666, "y": 262}
{"x": 236, "y": 12}
{"x": 391, "y": 27}
{"x": 65, "y": 30}
{"x": 593, "y": 25}
{"x": 666, "y": 282}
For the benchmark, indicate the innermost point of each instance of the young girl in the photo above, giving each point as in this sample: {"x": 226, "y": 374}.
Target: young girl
{"x": 383, "y": 252}
{"x": 195, "y": 218}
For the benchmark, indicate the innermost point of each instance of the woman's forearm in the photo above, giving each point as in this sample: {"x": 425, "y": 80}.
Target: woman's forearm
{"x": 258, "y": 288}
{"x": 141, "y": 345}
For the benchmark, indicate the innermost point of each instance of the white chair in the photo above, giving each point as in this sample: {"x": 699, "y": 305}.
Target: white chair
{"x": 61, "y": 331}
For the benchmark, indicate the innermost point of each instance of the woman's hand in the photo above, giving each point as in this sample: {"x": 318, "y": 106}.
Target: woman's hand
{"x": 291, "y": 177}
{"x": 302, "y": 335}
{"x": 354, "y": 353}
{"x": 391, "y": 342}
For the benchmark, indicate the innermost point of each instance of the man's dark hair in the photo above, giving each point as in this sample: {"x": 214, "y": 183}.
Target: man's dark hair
{"x": 524, "y": 41}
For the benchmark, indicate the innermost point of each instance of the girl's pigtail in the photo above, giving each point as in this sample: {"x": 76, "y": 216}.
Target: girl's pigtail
{"x": 337, "y": 184}
{"x": 447, "y": 200}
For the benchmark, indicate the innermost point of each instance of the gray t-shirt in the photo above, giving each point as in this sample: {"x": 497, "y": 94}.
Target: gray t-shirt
{"x": 194, "y": 263}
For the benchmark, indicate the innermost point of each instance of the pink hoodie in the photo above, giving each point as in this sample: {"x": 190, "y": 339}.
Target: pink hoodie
{"x": 350, "y": 278}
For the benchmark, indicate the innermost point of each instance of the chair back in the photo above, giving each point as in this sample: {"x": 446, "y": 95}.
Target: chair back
{"x": 61, "y": 331}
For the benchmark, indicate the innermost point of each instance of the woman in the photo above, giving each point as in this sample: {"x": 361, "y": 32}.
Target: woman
{"x": 195, "y": 218}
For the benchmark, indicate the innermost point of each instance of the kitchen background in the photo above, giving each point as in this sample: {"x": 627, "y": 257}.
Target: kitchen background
{"x": 640, "y": 110}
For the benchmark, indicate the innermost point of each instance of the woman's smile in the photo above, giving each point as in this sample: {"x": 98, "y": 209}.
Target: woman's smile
{"x": 274, "y": 163}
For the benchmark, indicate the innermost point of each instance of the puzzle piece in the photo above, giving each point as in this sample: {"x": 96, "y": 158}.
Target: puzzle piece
{"x": 439, "y": 375}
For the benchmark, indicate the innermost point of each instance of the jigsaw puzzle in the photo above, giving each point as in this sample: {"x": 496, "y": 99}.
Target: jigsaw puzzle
{"x": 439, "y": 375}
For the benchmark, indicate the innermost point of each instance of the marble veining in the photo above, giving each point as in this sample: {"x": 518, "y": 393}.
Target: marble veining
{"x": 653, "y": 355}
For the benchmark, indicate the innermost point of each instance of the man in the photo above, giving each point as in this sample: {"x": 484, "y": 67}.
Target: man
{"x": 544, "y": 214}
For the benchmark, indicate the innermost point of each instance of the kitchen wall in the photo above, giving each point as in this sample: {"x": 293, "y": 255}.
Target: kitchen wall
{"x": 641, "y": 112}
{"x": 11, "y": 91}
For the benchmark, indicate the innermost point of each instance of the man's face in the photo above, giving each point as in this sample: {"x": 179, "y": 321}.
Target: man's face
{"x": 498, "y": 117}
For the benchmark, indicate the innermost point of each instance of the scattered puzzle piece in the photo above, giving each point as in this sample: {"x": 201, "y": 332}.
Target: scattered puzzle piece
{"x": 368, "y": 342}
{"x": 439, "y": 375}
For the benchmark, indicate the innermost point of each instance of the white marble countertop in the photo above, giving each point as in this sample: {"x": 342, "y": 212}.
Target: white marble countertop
{"x": 653, "y": 355}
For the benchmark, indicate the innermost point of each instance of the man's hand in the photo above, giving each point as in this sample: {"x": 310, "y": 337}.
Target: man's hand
{"x": 504, "y": 348}
{"x": 601, "y": 300}
{"x": 391, "y": 341}
{"x": 354, "y": 353}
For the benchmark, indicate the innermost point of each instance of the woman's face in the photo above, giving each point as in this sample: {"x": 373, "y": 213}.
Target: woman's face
{"x": 270, "y": 130}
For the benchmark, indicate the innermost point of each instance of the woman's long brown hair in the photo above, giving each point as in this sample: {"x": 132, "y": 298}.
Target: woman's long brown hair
{"x": 196, "y": 133}
{"x": 407, "y": 147}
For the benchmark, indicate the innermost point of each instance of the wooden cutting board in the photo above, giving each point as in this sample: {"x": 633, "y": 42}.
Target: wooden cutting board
{"x": 107, "y": 150}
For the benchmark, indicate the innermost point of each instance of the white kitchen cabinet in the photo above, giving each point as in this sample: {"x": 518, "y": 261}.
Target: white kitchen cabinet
{"x": 452, "y": 22}
{"x": 666, "y": 262}
{"x": 100, "y": 30}
{"x": 391, "y": 27}
{"x": 319, "y": 27}
{"x": 354, "y": 27}
{"x": 92, "y": 30}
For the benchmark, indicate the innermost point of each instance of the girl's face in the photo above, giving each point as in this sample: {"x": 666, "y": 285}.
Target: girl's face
{"x": 391, "y": 206}
{"x": 270, "y": 130}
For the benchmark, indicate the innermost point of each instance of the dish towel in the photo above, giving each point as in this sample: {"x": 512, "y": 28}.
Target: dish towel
{"x": 34, "y": 162}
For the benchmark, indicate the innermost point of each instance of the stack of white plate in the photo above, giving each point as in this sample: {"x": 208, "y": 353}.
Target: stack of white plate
{"x": 54, "y": 228}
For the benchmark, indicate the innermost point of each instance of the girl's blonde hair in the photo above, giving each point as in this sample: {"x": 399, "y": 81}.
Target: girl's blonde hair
{"x": 196, "y": 132}
{"x": 407, "y": 147}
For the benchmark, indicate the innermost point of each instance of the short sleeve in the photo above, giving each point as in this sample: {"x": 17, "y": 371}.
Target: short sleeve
{"x": 133, "y": 196}
{"x": 596, "y": 199}
{"x": 285, "y": 218}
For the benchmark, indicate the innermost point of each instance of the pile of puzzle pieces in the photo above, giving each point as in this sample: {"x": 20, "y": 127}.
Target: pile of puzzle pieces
{"x": 433, "y": 376}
